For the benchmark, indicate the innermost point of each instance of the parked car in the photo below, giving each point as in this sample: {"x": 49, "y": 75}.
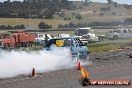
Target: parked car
{"x": 119, "y": 34}
{"x": 63, "y": 35}
{"x": 41, "y": 37}
{"x": 78, "y": 49}
{"x": 87, "y": 33}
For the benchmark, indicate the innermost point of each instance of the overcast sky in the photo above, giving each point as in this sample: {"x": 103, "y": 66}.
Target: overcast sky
{"x": 119, "y": 1}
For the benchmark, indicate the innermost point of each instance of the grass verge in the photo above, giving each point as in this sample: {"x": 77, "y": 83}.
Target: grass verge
{"x": 108, "y": 45}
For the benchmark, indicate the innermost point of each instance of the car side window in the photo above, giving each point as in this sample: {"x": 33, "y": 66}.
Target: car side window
{"x": 60, "y": 42}
{"x": 67, "y": 42}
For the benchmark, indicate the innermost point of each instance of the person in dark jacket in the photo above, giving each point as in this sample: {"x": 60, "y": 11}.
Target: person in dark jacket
{"x": 46, "y": 39}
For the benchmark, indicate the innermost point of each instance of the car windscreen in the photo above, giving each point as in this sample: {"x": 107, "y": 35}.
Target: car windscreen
{"x": 80, "y": 32}
{"x": 117, "y": 31}
{"x": 40, "y": 36}
{"x": 60, "y": 42}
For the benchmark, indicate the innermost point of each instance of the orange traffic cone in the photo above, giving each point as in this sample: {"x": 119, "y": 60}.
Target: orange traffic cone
{"x": 34, "y": 73}
{"x": 78, "y": 66}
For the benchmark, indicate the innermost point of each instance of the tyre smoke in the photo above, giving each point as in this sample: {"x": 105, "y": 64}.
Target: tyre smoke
{"x": 14, "y": 63}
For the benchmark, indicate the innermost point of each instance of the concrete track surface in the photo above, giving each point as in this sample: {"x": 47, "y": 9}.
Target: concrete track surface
{"x": 108, "y": 65}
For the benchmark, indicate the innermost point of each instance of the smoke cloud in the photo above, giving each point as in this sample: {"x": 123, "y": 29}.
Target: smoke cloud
{"x": 14, "y": 63}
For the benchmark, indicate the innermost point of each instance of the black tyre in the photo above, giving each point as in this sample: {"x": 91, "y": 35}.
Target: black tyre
{"x": 29, "y": 44}
{"x": 87, "y": 57}
{"x": 18, "y": 44}
{"x": 84, "y": 81}
{"x": 6, "y": 46}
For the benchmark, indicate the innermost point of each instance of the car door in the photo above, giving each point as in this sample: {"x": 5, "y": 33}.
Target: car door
{"x": 81, "y": 48}
{"x": 77, "y": 47}
{"x": 74, "y": 47}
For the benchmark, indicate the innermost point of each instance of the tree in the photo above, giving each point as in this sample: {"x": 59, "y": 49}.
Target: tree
{"x": 78, "y": 16}
{"x": 69, "y": 18}
{"x": 109, "y": 1}
{"x": 105, "y": 9}
{"x": 71, "y": 25}
{"x": 8, "y": 1}
{"x": 43, "y": 25}
{"x": 115, "y": 4}
{"x": 62, "y": 14}
{"x": 63, "y": 3}
{"x": 60, "y": 26}
{"x": 101, "y": 14}
{"x": 86, "y": 3}
{"x": 127, "y": 6}
{"x": 32, "y": 8}
{"x": 65, "y": 18}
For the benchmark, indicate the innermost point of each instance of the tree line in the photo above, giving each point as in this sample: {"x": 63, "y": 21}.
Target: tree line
{"x": 8, "y": 27}
{"x": 43, "y": 25}
{"x": 127, "y": 21}
{"x": 92, "y": 24}
{"x": 31, "y": 8}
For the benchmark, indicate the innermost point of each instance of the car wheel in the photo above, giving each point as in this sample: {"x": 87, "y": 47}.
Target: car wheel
{"x": 75, "y": 59}
{"x": 6, "y": 46}
{"x": 84, "y": 81}
{"x": 87, "y": 57}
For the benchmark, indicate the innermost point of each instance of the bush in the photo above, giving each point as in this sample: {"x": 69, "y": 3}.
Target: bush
{"x": 60, "y": 26}
{"x": 12, "y": 27}
{"x": 101, "y": 14}
{"x": 49, "y": 16}
{"x": 69, "y": 18}
{"x": 78, "y": 16}
{"x": 43, "y": 25}
{"x": 103, "y": 9}
{"x": 92, "y": 24}
{"x": 62, "y": 14}
{"x": 65, "y": 18}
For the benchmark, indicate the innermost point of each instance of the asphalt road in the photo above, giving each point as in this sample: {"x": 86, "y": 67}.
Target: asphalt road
{"x": 107, "y": 65}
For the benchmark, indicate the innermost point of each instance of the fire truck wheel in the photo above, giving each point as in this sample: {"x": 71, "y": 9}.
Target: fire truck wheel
{"x": 29, "y": 44}
{"x": 6, "y": 46}
{"x": 18, "y": 44}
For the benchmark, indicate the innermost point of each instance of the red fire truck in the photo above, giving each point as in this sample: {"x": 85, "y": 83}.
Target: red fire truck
{"x": 18, "y": 39}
